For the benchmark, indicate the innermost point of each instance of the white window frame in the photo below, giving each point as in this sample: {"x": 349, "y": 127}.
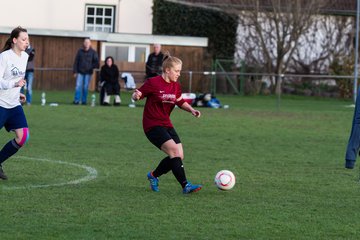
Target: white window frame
{"x": 131, "y": 52}
{"x": 102, "y": 26}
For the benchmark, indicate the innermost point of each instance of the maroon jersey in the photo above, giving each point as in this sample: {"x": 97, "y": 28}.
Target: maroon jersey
{"x": 161, "y": 98}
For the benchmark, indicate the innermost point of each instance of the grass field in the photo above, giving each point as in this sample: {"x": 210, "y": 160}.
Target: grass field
{"x": 291, "y": 183}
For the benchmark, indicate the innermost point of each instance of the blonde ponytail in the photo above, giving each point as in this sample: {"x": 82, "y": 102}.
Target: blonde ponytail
{"x": 170, "y": 61}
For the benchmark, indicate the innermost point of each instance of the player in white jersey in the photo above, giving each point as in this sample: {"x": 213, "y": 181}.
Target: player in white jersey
{"x": 13, "y": 60}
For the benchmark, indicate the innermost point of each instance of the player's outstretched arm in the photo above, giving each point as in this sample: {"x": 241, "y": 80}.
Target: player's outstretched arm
{"x": 187, "y": 107}
{"x": 136, "y": 95}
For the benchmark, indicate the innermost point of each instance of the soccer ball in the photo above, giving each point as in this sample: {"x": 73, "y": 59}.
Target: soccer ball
{"x": 225, "y": 180}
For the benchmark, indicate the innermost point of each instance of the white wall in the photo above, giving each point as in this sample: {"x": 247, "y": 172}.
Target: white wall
{"x": 132, "y": 16}
{"x": 135, "y": 16}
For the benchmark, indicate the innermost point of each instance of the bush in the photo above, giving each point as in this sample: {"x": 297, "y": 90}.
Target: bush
{"x": 340, "y": 68}
{"x": 177, "y": 19}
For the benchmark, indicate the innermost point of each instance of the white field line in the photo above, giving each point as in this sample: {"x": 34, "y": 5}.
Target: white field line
{"x": 92, "y": 174}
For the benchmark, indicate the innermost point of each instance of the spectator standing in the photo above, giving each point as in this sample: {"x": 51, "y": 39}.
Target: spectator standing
{"x": 110, "y": 80}
{"x": 86, "y": 61}
{"x": 154, "y": 62}
{"x": 29, "y": 74}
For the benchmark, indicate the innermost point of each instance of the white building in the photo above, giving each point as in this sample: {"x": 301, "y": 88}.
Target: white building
{"x": 123, "y": 26}
{"x": 119, "y": 28}
{"x": 121, "y": 16}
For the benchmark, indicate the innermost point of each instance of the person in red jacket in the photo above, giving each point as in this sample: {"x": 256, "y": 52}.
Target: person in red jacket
{"x": 162, "y": 93}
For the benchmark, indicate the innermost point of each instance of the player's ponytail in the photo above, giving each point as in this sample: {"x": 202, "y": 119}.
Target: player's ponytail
{"x": 7, "y": 45}
{"x": 169, "y": 61}
{"x": 14, "y": 34}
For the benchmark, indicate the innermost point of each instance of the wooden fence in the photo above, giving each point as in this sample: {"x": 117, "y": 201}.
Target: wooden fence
{"x": 55, "y": 57}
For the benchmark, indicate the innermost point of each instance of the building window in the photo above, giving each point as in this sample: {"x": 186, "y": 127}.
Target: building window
{"x": 125, "y": 52}
{"x": 119, "y": 53}
{"x": 140, "y": 54}
{"x": 99, "y": 18}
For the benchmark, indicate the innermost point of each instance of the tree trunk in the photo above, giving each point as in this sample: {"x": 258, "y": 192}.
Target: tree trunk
{"x": 278, "y": 88}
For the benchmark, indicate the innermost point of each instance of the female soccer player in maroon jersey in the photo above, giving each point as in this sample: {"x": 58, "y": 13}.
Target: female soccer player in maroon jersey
{"x": 162, "y": 94}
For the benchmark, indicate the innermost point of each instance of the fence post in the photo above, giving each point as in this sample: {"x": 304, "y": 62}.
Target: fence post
{"x": 356, "y": 52}
{"x": 242, "y": 78}
{"x": 280, "y": 78}
{"x": 190, "y": 80}
{"x": 213, "y": 77}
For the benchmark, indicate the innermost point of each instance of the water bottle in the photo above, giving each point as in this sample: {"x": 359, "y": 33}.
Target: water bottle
{"x": 93, "y": 99}
{"x": 43, "y": 99}
{"x": 132, "y": 104}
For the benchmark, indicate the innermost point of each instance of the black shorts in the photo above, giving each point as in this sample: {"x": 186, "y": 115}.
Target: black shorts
{"x": 159, "y": 135}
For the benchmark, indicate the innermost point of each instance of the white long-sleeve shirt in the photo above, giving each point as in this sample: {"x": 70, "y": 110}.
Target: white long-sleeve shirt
{"x": 12, "y": 69}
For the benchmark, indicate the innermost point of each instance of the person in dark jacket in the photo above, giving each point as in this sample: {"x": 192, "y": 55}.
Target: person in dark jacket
{"x": 154, "y": 62}
{"x": 29, "y": 74}
{"x": 109, "y": 75}
{"x": 86, "y": 61}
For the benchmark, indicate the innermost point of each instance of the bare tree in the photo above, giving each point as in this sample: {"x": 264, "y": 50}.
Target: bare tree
{"x": 269, "y": 35}
{"x": 329, "y": 38}
{"x": 279, "y": 36}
